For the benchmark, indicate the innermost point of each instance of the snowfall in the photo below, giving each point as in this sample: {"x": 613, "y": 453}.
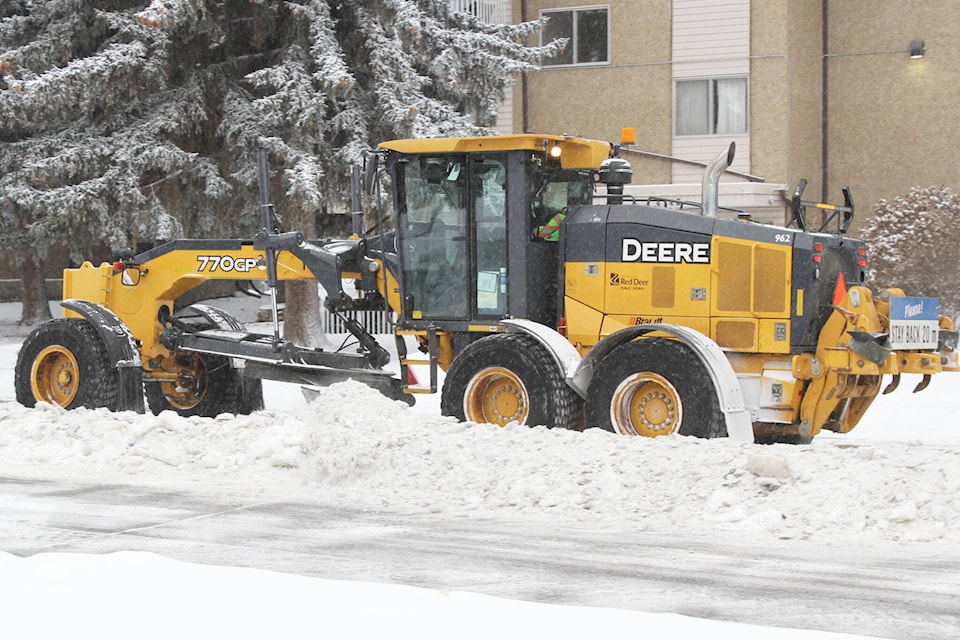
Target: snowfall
{"x": 894, "y": 481}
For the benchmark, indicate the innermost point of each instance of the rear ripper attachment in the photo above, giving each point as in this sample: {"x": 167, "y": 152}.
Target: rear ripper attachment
{"x": 864, "y": 339}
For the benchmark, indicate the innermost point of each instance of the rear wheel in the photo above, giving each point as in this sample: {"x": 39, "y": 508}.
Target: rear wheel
{"x": 64, "y": 362}
{"x": 506, "y": 378}
{"x": 654, "y": 387}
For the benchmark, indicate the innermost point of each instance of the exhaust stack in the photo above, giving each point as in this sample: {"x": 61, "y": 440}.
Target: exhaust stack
{"x": 711, "y": 180}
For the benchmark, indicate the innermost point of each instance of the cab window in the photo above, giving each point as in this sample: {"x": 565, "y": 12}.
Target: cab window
{"x": 555, "y": 193}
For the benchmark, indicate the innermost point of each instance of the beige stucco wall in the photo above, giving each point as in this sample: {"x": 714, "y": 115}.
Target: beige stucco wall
{"x": 892, "y": 122}
{"x": 785, "y": 92}
{"x": 634, "y": 90}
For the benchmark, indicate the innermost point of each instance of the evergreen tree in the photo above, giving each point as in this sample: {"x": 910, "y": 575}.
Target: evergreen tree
{"x": 913, "y": 244}
{"x": 126, "y": 122}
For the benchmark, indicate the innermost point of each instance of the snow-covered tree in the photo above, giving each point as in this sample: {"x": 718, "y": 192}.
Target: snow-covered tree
{"x": 125, "y": 121}
{"x": 914, "y": 244}
{"x": 100, "y": 129}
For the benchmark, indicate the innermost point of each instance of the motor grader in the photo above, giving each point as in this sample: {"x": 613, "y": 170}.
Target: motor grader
{"x": 518, "y": 266}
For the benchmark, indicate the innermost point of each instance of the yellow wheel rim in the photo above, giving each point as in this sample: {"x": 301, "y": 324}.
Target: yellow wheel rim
{"x": 496, "y": 395}
{"x": 190, "y": 386}
{"x": 55, "y": 376}
{"x": 646, "y": 404}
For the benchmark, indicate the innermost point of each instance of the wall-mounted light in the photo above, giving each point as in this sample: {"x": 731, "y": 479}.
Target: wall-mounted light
{"x": 917, "y": 49}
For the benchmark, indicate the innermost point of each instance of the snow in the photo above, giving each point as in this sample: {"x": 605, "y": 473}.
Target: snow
{"x": 891, "y": 483}
{"x": 231, "y": 602}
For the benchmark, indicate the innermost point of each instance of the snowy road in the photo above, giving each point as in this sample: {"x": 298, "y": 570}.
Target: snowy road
{"x": 801, "y": 584}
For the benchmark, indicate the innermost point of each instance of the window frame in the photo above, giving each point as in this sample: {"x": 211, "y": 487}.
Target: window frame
{"x": 711, "y": 114}
{"x": 573, "y": 38}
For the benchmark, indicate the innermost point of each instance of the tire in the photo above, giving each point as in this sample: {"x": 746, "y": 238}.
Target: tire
{"x": 653, "y": 387}
{"x": 206, "y": 385}
{"x": 504, "y": 378}
{"x": 65, "y": 362}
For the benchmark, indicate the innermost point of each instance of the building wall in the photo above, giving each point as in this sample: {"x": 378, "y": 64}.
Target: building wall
{"x": 711, "y": 38}
{"x": 785, "y": 104}
{"x": 834, "y": 96}
{"x": 892, "y": 122}
{"x": 633, "y": 90}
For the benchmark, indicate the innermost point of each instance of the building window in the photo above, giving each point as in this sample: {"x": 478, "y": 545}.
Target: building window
{"x": 586, "y": 30}
{"x": 711, "y": 106}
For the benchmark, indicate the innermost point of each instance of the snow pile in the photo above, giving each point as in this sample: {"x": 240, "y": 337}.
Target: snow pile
{"x": 355, "y": 446}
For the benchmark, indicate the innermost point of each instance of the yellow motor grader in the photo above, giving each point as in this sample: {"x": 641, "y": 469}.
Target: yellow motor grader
{"x": 548, "y": 296}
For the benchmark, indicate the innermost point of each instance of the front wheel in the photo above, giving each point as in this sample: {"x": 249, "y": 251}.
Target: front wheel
{"x": 195, "y": 384}
{"x": 654, "y": 387}
{"x": 64, "y": 362}
{"x": 203, "y": 385}
{"x": 504, "y": 378}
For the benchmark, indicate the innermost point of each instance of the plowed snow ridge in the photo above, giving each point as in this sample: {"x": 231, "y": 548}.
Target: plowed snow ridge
{"x": 354, "y": 445}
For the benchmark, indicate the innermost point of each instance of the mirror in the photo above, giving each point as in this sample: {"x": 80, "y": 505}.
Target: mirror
{"x": 131, "y": 276}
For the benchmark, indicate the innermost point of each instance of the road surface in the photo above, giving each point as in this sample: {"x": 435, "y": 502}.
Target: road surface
{"x": 796, "y": 584}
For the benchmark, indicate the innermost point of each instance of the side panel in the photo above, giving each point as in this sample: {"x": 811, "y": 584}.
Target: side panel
{"x": 729, "y": 280}
{"x": 638, "y": 265}
{"x": 653, "y": 272}
{"x": 612, "y": 324}
{"x": 584, "y": 283}
{"x": 752, "y": 288}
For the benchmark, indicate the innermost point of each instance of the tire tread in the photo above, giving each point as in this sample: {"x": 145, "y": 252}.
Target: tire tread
{"x": 99, "y": 378}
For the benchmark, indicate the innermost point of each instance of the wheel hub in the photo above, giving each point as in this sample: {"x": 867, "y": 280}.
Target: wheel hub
{"x": 189, "y": 388}
{"x": 64, "y": 376}
{"x": 55, "y": 376}
{"x": 646, "y": 404}
{"x": 496, "y": 395}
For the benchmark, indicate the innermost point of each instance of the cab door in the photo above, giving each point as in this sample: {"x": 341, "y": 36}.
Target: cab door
{"x": 452, "y": 228}
{"x": 432, "y": 226}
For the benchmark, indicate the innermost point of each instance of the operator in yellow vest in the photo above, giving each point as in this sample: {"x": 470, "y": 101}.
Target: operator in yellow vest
{"x": 551, "y": 230}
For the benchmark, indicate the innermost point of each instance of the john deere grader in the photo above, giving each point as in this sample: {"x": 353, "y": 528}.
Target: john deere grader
{"x": 549, "y": 297}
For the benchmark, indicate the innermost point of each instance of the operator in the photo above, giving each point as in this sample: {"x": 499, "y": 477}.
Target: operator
{"x": 551, "y": 230}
